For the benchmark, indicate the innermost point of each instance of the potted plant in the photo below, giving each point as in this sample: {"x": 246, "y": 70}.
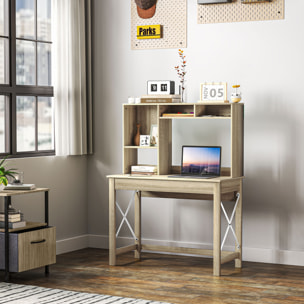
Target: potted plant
{"x": 5, "y": 173}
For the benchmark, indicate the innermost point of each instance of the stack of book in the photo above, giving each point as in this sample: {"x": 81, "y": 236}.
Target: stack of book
{"x": 20, "y": 187}
{"x": 161, "y": 98}
{"x": 143, "y": 170}
{"x": 14, "y": 220}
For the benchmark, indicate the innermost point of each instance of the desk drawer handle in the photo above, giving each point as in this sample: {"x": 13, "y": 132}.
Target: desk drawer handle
{"x": 38, "y": 242}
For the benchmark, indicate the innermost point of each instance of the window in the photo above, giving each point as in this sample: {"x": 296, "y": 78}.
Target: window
{"x": 26, "y": 92}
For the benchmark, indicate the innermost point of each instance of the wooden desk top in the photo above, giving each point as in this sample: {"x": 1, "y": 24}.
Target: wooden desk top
{"x": 167, "y": 178}
{"x": 5, "y": 193}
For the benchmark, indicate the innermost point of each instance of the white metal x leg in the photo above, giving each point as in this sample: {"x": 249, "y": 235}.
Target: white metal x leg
{"x": 124, "y": 216}
{"x": 229, "y": 220}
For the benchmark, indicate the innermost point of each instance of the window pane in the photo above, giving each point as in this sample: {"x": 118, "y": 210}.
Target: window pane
{"x": 2, "y": 123}
{"x": 44, "y": 20}
{"x": 25, "y": 19}
{"x": 45, "y": 124}
{"x": 3, "y": 17}
{"x": 4, "y": 61}
{"x": 44, "y": 64}
{"x": 25, "y": 63}
{"x": 25, "y": 123}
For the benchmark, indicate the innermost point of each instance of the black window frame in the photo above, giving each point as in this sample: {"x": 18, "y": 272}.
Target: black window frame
{"x": 12, "y": 90}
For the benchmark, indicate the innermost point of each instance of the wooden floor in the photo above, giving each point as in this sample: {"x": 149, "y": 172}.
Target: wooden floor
{"x": 168, "y": 278}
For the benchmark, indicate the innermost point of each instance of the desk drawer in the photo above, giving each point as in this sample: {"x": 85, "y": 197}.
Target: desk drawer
{"x": 30, "y": 249}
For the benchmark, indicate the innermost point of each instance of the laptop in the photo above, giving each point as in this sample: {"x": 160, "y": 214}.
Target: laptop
{"x": 200, "y": 162}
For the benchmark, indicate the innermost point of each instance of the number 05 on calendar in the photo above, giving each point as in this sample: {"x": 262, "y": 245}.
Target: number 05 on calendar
{"x": 213, "y": 92}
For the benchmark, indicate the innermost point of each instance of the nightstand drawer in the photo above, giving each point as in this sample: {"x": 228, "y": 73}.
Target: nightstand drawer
{"x": 30, "y": 249}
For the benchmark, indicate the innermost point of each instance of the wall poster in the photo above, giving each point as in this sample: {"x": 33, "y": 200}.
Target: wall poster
{"x": 158, "y": 24}
{"x": 237, "y": 11}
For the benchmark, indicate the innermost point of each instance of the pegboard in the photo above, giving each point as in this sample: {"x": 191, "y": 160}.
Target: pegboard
{"x": 236, "y": 12}
{"x": 172, "y": 15}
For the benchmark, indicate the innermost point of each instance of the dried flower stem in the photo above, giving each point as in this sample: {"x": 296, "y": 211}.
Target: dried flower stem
{"x": 181, "y": 71}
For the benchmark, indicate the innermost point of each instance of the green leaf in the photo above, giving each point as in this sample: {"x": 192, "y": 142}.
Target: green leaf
{"x": 5, "y": 172}
{"x": 3, "y": 180}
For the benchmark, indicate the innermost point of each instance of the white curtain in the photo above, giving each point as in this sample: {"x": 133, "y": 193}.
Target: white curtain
{"x": 72, "y": 76}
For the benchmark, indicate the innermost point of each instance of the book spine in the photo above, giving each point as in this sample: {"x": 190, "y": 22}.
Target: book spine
{"x": 174, "y": 96}
{"x": 143, "y": 173}
{"x": 10, "y": 216}
{"x": 143, "y": 169}
{"x": 11, "y": 220}
{"x": 10, "y": 213}
{"x": 13, "y": 225}
{"x": 177, "y": 115}
{"x": 160, "y": 100}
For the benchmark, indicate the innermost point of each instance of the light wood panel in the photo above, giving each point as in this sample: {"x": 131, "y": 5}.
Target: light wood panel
{"x": 239, "y": 228}
{"x": 36, "y": 248}
{"x": 20, "y": 192}
{"x": 163, "y": 185}
{"x": 237, "y": 140}
{"x": 125, "y": 249}
{"x": 180, "y": 250}
{"x": 216, "y": 230}
{"x": 165, "y": 146}
{"x": 203, "y": 197}
{"x": 230, "y": 257}
{"x": 137, "y": 223}
{"x": 28, "y": 226}
{"x": 112, "y": 221}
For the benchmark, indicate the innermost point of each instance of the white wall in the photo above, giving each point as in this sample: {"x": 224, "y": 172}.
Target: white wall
{"x": 266, "y": 57}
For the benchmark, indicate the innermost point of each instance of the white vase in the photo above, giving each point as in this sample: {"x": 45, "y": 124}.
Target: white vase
{"x": 182, "y": 92}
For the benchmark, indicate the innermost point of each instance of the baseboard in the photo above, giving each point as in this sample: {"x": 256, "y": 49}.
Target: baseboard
{"x": 72, "y": 244}
{"x": 261, "y": 255}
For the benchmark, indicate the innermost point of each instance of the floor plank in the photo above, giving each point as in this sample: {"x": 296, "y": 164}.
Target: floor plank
{"x": 170, "y": 278}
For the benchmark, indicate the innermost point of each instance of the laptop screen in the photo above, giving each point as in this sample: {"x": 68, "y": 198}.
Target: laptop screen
{"x": 199, "y": 160}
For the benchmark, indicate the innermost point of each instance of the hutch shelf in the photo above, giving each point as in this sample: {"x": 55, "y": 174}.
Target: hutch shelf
{"x": 162, "y": 114}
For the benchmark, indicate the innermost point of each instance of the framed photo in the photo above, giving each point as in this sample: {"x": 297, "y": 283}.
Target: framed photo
{"x": 154, "y": 135}
{"x": 157, "y": 87}
{"x": 213, "y": 92}
{"x": 144, "y": 140}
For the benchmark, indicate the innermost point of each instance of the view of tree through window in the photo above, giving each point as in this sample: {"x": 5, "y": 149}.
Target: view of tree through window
{"x": 26, "y": 103}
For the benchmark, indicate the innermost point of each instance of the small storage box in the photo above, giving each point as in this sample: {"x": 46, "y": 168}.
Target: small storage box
{"x": 29, "y": 249}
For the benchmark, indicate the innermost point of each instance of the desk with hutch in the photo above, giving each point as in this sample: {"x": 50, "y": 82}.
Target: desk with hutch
{"x": 228, "y": 187}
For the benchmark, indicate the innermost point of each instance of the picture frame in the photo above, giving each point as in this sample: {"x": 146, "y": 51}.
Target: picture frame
{"x": 154, "y": 135}
{"x": 144, "y": 140}
{"x": 160, "y": 87}
{"x": 213, "y": 92}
